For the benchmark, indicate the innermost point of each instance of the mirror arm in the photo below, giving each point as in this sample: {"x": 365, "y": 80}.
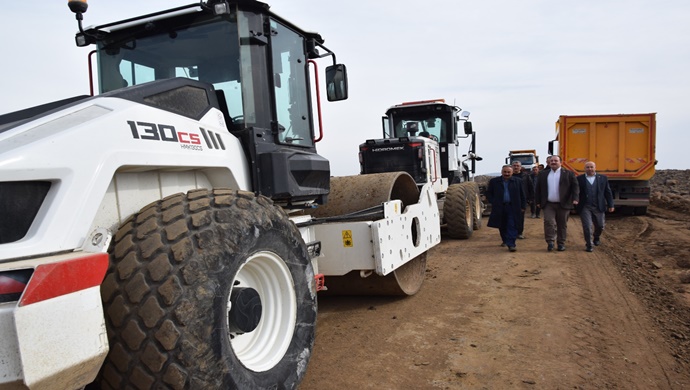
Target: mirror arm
{"x": 328, "y": 53}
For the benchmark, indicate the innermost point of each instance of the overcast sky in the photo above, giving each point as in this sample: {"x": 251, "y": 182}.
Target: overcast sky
{"x": 515, "y": 65}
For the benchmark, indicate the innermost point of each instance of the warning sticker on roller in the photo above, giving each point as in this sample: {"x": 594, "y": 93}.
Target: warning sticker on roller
{"x": 347, "y": 238}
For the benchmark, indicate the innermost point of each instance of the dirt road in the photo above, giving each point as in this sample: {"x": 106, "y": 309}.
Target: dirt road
{"x": 486, "y": 318}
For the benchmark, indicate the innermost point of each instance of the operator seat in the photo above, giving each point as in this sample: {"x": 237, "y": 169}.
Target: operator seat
{"x": 411, "y": 128}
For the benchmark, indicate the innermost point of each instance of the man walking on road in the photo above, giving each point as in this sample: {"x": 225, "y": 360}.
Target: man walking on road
{"x": 507, "y": 204}
{"x": 532, "y": 182}
{"x": 556, "y": 192}
{"x": 595, "y": 198}
{"x": 517, "y": 172}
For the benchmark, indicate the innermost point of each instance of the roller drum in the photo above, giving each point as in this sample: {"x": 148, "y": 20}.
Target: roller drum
{"x": 354, "y": 193}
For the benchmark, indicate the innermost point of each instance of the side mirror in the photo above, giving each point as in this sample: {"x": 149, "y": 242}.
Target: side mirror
{"x": 551, "y": 147}
{"x": 468, "y": 128}
{"x": 336, "y": 82}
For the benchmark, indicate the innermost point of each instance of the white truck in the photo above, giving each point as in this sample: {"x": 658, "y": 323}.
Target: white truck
{"x": 159, "y": 235}
{"x": 527, "y": 157}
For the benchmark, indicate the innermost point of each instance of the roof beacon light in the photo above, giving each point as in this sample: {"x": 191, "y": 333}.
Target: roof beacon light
{"x": 78, "y": 7}
{"x": 422, "y": 102}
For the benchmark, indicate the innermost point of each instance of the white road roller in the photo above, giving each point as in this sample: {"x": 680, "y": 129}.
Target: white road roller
{"x": 161, "y": 233}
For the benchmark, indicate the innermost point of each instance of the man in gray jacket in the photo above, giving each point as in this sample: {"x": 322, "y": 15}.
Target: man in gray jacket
{"x": 595, "y": 199}
{"x": 556, "y": 193}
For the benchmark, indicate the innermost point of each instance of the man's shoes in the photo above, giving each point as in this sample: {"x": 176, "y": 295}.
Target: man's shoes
{"x": 503, "y": 244}
{"x": 589, "y": 249}
{"x": 520, "y": 236}
{"x": 534, "y": 216}
{"x": 550, "y": 247}
{"x": 596, "y": 242}
{"x": 561, "y": 248}
{"x": 512, "y": 248}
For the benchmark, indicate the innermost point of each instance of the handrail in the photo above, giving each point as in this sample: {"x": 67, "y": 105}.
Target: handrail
{"x": 318, "y": 100}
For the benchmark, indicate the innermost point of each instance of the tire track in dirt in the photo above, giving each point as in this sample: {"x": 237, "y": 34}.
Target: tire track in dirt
{"x": 489, "y": 318}
{"x": 650, "y": 270}
{"x": 605, "y": 310}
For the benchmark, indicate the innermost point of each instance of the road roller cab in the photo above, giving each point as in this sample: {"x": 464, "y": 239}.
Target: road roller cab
{"x": 423, "y": 138}
{"x": 173, "y": 230}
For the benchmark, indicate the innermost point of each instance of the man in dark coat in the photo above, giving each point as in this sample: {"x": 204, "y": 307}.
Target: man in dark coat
{"x": 556, "y": 193}
{"x": 518, "y": 172}
{"x": 532, "y": 181}
{"x": 595, "y": 198}
{"x": 508, "y": 202}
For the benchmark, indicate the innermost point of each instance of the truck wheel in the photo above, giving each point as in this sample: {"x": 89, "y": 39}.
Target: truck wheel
{"x": 209, "y": 290}
{"x": 640, "y": 210}
{"x": 626, "y": 210}
{"x": 457, "y": 212}
{"x": 477, "y": 209}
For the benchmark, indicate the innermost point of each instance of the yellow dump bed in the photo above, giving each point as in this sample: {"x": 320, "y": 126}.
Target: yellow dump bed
{"x": 622, "y": 146}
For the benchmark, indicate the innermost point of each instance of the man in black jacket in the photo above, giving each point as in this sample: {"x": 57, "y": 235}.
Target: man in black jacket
{"x": 508, "y": 202}
{"x": 517, "y": 172}
{"x": 595, "y": 199}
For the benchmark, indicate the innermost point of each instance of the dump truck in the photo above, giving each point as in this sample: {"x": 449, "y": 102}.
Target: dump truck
{"x": 158, "y": 234}
{"x": 621, "y": 145}
{"x": 527, "y": 157}
{"x": 422, "y": 138}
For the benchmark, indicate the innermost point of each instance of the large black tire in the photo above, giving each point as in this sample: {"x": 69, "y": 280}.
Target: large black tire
{"x": 640, "y": 210}
{"x": 457, "y": 212}
{"x": 626, "y": 210}
{"x": 166, "y": 296}
{"x": 476, "y": 203}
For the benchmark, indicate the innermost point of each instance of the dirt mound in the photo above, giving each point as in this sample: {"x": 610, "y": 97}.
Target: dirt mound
{"x": 671, "y": 189}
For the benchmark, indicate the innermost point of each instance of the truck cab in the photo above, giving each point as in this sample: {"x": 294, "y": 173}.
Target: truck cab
{"x": 527, "y": 157}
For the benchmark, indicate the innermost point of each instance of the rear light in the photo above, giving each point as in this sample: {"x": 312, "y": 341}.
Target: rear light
{"x": 52, "y": 280}
{"x": 65, "y": 277}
